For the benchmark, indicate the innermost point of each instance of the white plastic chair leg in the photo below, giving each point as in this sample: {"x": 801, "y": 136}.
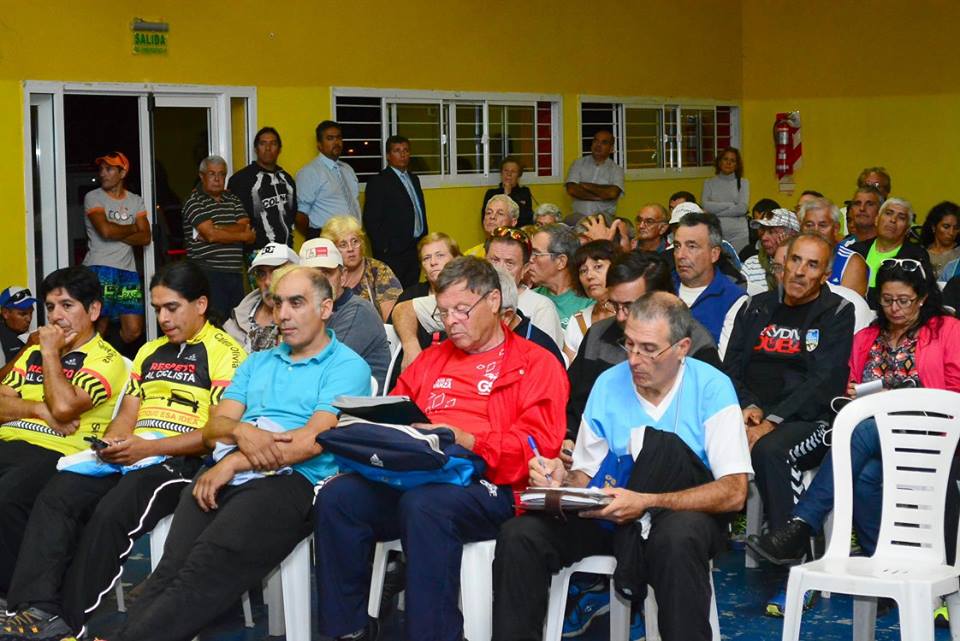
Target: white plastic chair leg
{"x": 865, "y": 618}
{"x": 559, "y": 587}
{"x": 247, "y": 611}
{"x": 295, "y": 579}
{"x": 121, "y": 604}
{"x": 793, "y": 610}
{"x": 158, "y": 537}
{"x": 273, "y": 600}
{"x": 619, "y": 615}
{"x": 476, "y": 590}
{"x": 381, "y": 554}
{"x": 754, "y": 523}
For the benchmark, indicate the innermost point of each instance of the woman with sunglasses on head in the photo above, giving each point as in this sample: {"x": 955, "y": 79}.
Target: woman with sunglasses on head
{"x": 893, "y": 224}
{"x": 913, "y": 343}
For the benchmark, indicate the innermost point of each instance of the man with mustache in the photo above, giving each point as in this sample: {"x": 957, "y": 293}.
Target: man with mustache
{"x": 787, "y": 359}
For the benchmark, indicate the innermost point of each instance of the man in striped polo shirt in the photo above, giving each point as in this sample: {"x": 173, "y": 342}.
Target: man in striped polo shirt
{"x": 216, "y": 227}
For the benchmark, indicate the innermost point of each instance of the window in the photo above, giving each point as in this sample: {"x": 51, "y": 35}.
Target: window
{"x": 455, "y": 138}
{"x": 655, "y": 138}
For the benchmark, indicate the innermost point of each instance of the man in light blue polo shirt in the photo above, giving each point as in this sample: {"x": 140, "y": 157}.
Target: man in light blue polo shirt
{"x": 327, "y": 186}
{"x": 248, "y": 511}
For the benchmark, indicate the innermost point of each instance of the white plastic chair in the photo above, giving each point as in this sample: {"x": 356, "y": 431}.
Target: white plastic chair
{"x": 619, "y": 607}
{"x": 374, "y": 386}
{"x": 560, "y": 586}
{"x": 476, "y": 586}
{"x": 919, "y": 430}
{"x": 392, "y": 337}
{"x": 287, "y": 595}
{"x": 395, "y": 350}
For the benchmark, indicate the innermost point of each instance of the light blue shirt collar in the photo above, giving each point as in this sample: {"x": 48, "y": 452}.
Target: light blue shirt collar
{"x": 332, "y": 164}
{"x": 283, "y": 351}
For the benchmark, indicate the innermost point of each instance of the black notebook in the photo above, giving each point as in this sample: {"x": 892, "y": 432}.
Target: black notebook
{"x": 395, "y": 410}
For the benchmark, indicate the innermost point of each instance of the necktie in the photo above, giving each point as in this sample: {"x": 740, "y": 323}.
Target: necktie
{"x": 347, "y": 195}
{"x": 418, "y": 212}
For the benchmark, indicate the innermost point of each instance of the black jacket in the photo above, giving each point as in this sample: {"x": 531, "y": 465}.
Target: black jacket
{"x": 599, "y": 351}
{"x": 388, "y": 214}
{"x": 907, "y": 250}
{"x": 806, "y": 397}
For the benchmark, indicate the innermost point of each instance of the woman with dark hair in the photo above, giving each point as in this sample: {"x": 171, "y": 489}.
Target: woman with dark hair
{"x": 590, "y": 263}
{"x": 939, "y": 234}
{"x": 727, "y": 195}
{"x": 86, "y": 519}
{"x": 913, "y": 343}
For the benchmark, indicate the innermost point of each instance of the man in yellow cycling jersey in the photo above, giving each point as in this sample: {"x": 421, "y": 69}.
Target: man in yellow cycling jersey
{"x": 59, "y": 391}
{"x": 88, "y": 516}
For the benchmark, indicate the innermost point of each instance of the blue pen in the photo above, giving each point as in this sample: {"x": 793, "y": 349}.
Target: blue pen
{"x": 536, "y": 452}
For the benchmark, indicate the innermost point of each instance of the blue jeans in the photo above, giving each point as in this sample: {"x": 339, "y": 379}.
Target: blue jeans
{"x": 817, "y": 502}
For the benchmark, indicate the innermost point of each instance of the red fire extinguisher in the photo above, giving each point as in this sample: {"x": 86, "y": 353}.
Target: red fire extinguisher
{"x": 782, "y": 136}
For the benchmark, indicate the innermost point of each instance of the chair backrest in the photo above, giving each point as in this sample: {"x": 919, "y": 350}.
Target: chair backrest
{"x": 395, "y": 350}
{"x": 374, "y": 386}
{"x": 123, "y": 390}
{"x": 392, "y": 337}
{"x": 919, "y": 430}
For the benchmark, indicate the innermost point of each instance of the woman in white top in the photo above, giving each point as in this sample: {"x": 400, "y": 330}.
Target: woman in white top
{"x": 591, "y": 262}
{"x": 727, "y": 195}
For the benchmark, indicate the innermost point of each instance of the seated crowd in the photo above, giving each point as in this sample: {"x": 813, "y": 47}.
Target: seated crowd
{"x": 667, "y": 358}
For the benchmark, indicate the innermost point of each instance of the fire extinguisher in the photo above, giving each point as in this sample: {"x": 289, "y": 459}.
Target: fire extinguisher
{"x": 783, "y": 140}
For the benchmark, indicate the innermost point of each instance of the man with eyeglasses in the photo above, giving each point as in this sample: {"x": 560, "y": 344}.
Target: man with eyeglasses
{"x": 772, "y": 228}
{"x": 550, "y": 268}
{"x": 494, "y": 390}
{"x": 787, "y": 358}
{"x": 651, "y": 226}
{"x": 251, "y": 323}
{"x": 629, "y": 277}
{"x": 354, "y": 321}
{"x": 679, "y": 420}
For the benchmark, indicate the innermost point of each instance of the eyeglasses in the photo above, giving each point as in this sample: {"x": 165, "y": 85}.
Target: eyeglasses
{"x": 537, "y": 254}
{"x": 906, "y": 264}
{"x": 631, "y": 350}
{"x": 901, "y": 301}
{"x": 349, "y": 244}
{"x": 648, "y": 222}
{"x": 616, "y": 307}
{"x": 457, "y": 314}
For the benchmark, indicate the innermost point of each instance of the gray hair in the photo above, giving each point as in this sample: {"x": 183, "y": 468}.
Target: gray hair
{"x": 820, "y": 239}
{"x": 664, "y": 305}
{"x": 480, "y": 276}
{"x": 212, "y": 160}
{"x": 870, "y": 189}
{"x": 562, "y": 240}
{"x": 898, "y": 201}
{"x": 508, "y": 290}
{"x": 512, "y": 207}
{"x": 714, "y": 233}
{"x": 818, "y": 204}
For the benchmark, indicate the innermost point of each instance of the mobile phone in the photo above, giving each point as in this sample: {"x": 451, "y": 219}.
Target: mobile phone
{"x": 96, "y": 443}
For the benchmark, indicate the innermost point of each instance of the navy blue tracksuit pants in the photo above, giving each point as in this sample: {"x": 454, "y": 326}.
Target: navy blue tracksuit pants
{"x": 432, "y": 521}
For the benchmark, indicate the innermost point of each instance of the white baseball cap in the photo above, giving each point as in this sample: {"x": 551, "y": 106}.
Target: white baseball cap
{"x": 320, "y": 252}
{"x": 682, "y": 210}
{"x": 274, "y": 255}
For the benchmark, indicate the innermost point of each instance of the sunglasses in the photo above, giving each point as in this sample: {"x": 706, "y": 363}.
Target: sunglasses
{"x": 906, "y": 264}
{"x": 513, "y": 234}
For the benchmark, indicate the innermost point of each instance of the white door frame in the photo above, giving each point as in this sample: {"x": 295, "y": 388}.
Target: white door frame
{"x": 54, "y": 192}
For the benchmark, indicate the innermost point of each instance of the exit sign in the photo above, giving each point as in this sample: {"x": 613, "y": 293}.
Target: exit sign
{"x": 149, "y": 42}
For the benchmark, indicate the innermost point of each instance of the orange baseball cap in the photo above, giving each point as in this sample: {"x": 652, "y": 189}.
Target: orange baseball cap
{"x": 116, "y": 159}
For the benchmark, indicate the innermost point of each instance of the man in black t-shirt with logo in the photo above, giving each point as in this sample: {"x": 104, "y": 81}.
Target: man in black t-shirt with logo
{"x": 268, "y": 193}
{"x": 787, "y": 357}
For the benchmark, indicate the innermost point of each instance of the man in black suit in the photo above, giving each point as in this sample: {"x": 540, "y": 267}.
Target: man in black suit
{"x": 395, "y": 214}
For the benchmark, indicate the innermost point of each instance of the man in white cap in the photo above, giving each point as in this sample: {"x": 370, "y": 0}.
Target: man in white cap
{"x": 251, "y": 322}
{"x": 773, "y": 228}
{"x": 16, "y": 312}
{"x": 355, "y": 321}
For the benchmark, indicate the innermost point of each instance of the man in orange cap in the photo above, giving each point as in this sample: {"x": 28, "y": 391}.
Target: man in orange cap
{"x": 117, "y": 222}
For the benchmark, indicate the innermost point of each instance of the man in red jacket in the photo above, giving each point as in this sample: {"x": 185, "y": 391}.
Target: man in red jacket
{"x": 493, "y": 389}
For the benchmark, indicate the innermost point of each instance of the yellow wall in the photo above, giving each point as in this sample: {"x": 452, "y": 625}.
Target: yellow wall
{"x": 876, "y": 84}
{"x": 304, "y": 48}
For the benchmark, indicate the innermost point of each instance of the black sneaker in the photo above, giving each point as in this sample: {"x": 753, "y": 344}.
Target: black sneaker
{"x": 35, "y": 625}
{"x": 785, "y": 546}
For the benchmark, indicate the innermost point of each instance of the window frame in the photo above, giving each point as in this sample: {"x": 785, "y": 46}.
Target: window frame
{"x": 675, "y": 104}
{"x": 448, "y": 100}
